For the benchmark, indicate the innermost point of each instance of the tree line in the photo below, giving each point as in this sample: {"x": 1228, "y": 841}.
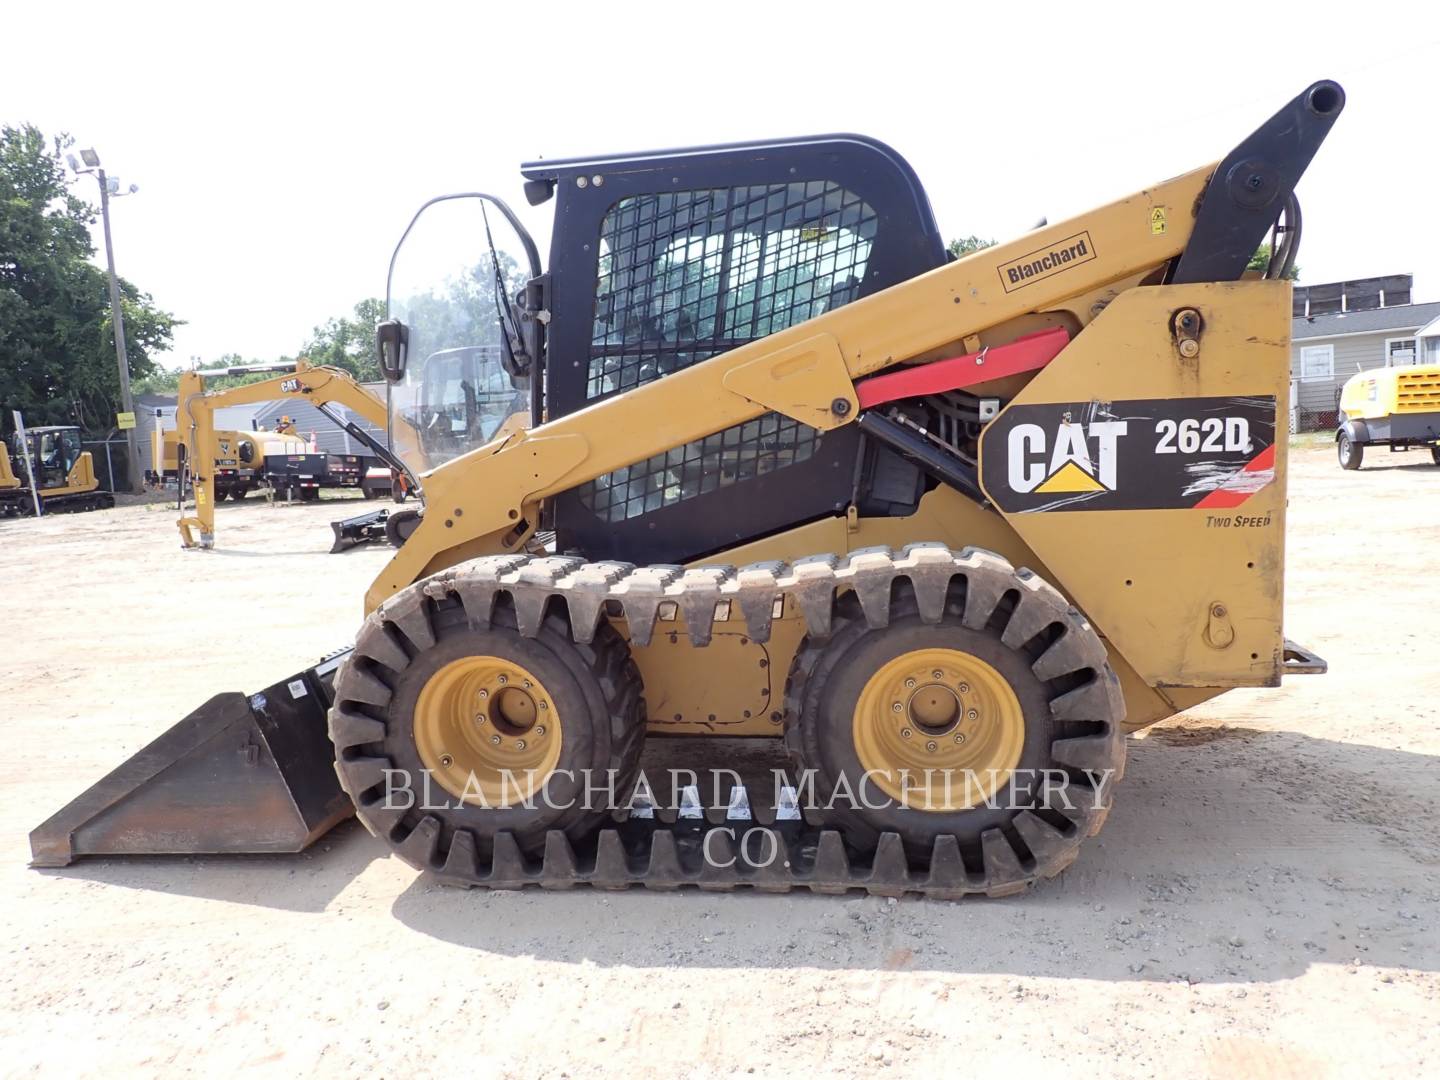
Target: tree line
{"x": 57, "y": 344}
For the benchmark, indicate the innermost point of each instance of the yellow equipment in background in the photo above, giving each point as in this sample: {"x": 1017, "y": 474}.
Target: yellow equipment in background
{"x": 1398, "y": 407}
{"x": 64, "y": 473}
{"x": 240, "y": 457}
{"x": 195, "y": 423}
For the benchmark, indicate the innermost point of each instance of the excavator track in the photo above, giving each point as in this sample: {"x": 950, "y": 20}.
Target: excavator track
{"x": 745, "y": 839}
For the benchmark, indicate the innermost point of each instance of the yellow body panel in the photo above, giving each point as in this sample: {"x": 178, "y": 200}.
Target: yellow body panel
{"x": 1153, "y": 580}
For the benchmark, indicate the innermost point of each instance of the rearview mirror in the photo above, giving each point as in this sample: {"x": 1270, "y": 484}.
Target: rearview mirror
{"x": 392, "y": 341}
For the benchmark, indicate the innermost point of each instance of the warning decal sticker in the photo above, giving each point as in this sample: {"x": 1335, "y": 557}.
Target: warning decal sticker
{"x": 1160, "y": 454}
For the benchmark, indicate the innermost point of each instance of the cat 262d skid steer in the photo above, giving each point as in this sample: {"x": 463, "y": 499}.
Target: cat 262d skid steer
{"x": 897, "y": 548}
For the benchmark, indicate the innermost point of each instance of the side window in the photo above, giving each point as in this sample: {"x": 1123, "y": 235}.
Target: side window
{"x": 70, "y": 448}
{"x": 686, "y": 275}
{"x": 1317, "y": 362}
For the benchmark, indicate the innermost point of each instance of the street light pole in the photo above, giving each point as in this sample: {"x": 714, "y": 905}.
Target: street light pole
{"x": 117, "y": 321}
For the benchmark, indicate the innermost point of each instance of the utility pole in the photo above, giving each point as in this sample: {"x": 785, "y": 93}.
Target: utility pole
{"x": 117, "y": 321}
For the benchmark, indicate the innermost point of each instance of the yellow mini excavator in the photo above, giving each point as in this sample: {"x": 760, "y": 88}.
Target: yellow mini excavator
{"x": 765, "y": 545}
{"x": 63, "y": 473}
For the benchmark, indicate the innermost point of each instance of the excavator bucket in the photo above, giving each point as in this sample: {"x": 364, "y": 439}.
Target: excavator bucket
{"x": 240, "y": 774}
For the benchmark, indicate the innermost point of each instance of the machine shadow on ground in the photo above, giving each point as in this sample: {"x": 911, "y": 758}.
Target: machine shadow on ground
{"x": 307, "y": 882}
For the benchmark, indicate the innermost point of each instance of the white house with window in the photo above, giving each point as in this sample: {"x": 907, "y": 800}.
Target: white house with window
{"x": 1328, "y": 348}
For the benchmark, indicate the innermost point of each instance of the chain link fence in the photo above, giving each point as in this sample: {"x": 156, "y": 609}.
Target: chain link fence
{"x": 111, "y": 465}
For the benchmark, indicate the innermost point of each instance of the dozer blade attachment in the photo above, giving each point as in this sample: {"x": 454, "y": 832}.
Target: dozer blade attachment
{"x": 239, "y": 774}
{"x": 361, "y": 529}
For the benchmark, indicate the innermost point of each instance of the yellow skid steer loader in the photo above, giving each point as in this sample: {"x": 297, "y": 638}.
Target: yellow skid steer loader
{"x": 764, "y": 545}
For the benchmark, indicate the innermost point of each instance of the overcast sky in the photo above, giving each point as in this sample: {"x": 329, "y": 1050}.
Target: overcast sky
{"x": 281, "y": 149}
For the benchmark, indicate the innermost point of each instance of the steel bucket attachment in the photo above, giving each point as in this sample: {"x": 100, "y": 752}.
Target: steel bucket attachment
{"x": 361, "y": 529}
{"x": 239, "y": 774}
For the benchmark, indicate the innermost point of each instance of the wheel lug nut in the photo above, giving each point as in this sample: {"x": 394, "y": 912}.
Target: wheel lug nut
{"x": 527, "y": 684}
{"x": 544, "y": 706}
{"x": 540, "y": 730}
{"x": 905, "y": 733}
{"x": 964, "y": 688}
{"x": 446, "y": 760}
{"x": 519, "y": 744}
{"x": 484, "y": 694}
{"x": 972, "y": 715}
{"x": 479, "y": 718}
{"x": 909, "y": 684}
{"x": 960, "y": 738}
{"x": 502, "y": 680}
{"x": 937, "y": 674}
{"x": 494, "y": 740}
{"x": 897, "y": 707}
{"x": 931, "y": 746}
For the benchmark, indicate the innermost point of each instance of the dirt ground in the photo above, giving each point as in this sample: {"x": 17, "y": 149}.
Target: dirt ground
{"x": 1263, "y": 900}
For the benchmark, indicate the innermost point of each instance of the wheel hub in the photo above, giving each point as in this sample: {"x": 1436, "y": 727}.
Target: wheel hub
{"x": 938, "y": 729}
{"x": 487, "y": 730}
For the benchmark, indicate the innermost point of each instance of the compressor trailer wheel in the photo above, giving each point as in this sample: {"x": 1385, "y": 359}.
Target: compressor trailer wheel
{"x": 995, "y": 655}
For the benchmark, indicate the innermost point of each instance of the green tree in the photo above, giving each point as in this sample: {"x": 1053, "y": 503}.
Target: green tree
{"x": 56, "y": 338}
{"x": 349, "y": 343}
{"x": 967, "y": 245}
{"x": 1261, "y": 259}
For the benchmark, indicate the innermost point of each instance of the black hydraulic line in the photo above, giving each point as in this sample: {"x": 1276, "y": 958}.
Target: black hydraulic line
{"x": 357, "y": 432}
{"x": 936, "y": 459}
{"x": 1291, "y": 243}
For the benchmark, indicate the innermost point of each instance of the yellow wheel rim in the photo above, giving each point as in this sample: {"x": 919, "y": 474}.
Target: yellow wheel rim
{"x": 487, "y": 730}
{"x": 938, "y": 729}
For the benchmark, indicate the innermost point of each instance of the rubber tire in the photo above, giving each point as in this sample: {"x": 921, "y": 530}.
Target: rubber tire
{"x": 309, "y": 494}
{"x": 597, "y": 693}
{"x": 399, "y": 524}
{"x": 238, "y": 494}
{"x": 398, "y": 494}
{"x": 832, "y": 673}
{"x": 1351, "y": 454}
{"x": 1435, "y": 454}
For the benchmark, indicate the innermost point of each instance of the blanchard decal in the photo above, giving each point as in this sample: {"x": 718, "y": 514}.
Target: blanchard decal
{"x": 1047, "y": 261}
{"x": 1159, "y": 454}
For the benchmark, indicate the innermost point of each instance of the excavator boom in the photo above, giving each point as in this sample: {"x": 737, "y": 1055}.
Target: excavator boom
{"x": 195, "y": 422}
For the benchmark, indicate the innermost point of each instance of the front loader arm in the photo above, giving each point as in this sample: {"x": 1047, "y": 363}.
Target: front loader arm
{"x": 487, "y": 501}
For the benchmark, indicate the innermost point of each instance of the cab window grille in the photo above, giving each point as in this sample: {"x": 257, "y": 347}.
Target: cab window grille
{"x": 743, "y": 452}
{"x": 684, "y": 276}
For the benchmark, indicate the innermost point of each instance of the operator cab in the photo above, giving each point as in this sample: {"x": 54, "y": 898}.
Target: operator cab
{"x": 658, "y": 261}
{"x": 53, "y": 453}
